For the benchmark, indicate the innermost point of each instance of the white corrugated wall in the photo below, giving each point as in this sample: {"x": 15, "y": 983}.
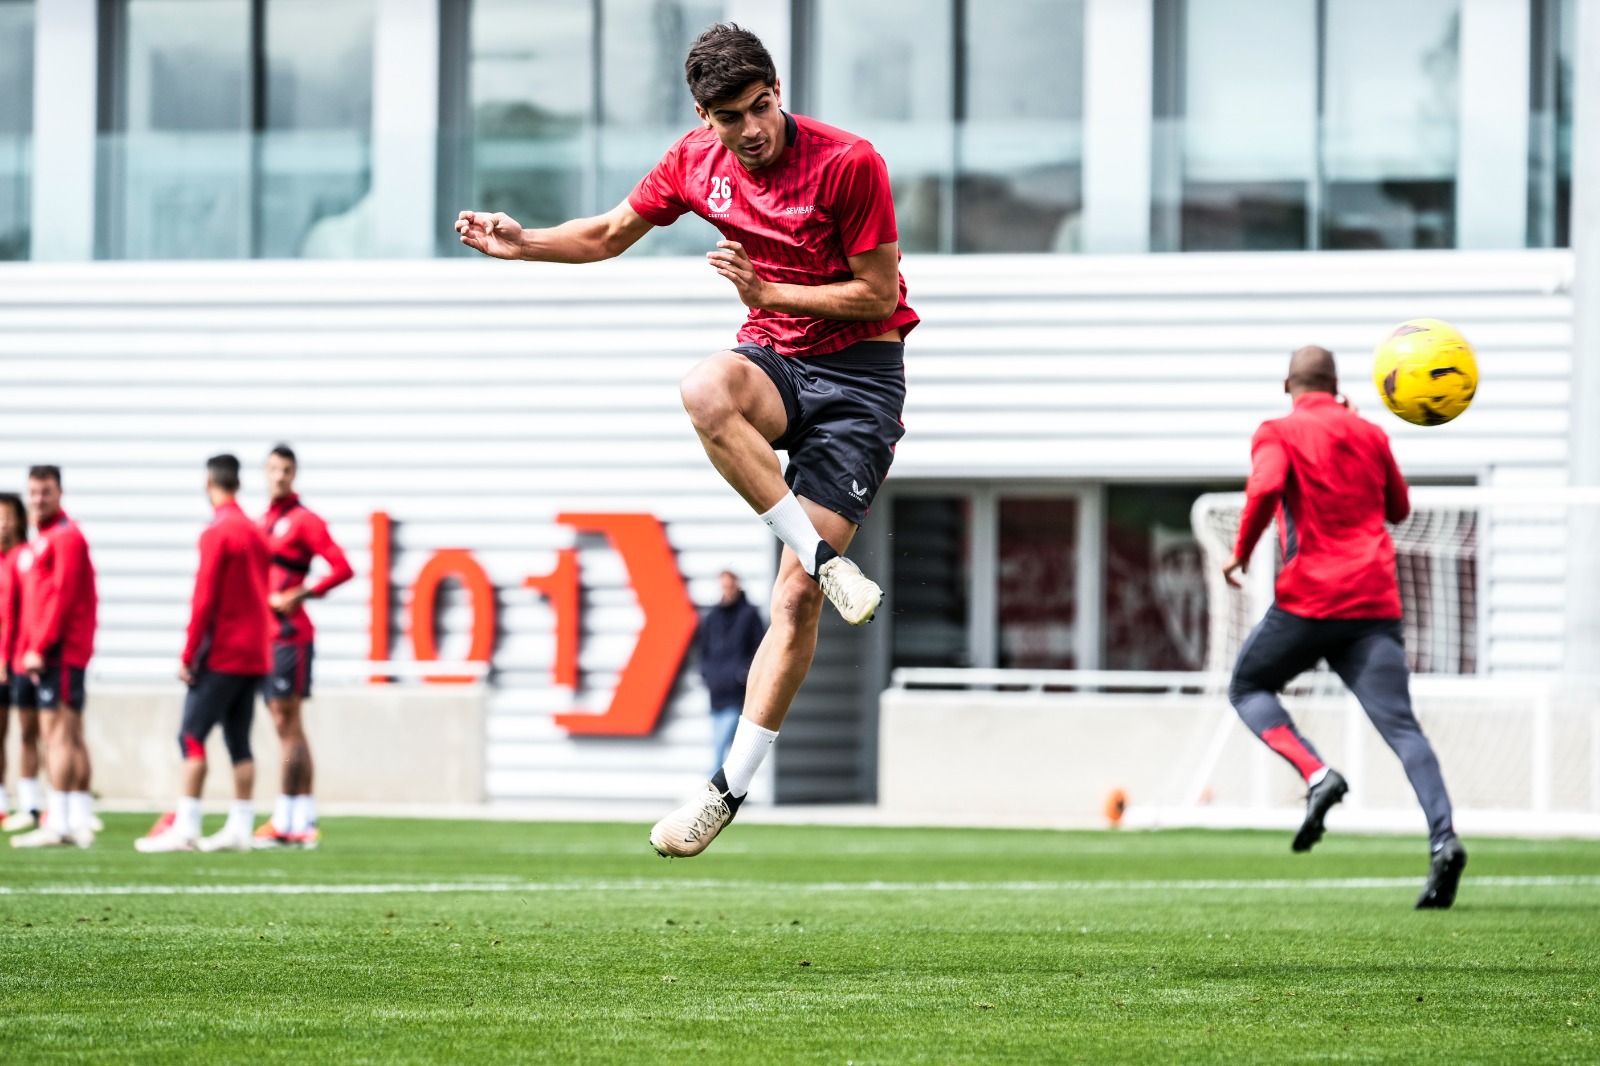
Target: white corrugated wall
{"x": 474, "y": 401}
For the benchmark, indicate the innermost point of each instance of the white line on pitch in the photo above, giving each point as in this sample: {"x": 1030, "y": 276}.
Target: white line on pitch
{"x": 437, "y": 887}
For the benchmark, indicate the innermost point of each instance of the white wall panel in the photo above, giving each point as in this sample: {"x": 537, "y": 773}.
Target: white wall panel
{"x": 475, "y": 401}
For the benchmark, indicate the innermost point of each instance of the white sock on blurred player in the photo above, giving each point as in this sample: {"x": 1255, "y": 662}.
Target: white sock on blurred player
{"x": 5, "y": 801}
{"x": 283, "y": 814}
{"x": 750, "y": 746}
{"x": 305, "y": 814}
{"x": 241, "y": 817}
{"x": 187, "y": 821}
{"x": 28, "y": 795}
{"x": 80, "y": 812}
{"x": 56, "y": 816}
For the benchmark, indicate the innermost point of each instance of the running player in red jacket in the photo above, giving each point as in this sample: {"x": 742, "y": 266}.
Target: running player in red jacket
{"x": 1329, "y": 478}
{"x": 812, "y": 250}
{"x": 55, "y": 641}
{"x": 13, "y": 534}
{"x": 296, "y": 536}
{"x": 226, "y": 654}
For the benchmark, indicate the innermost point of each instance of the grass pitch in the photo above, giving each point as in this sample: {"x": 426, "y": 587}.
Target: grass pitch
{"x": 410, "y": 941}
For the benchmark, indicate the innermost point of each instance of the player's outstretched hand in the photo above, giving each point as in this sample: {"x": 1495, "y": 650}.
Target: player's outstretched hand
{"x": 492, "y": 233}
{"x": 729, "y": 260}
{"x": 1233, "y": 567}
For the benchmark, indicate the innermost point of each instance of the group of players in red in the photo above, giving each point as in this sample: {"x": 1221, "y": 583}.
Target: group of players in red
{"x": 811, "y": 248}
{"x": 248, "y": 632}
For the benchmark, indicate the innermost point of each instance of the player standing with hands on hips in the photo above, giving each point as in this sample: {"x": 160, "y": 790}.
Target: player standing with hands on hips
{"x": 1328, "y": 476}
{"x": 818, "y": 371}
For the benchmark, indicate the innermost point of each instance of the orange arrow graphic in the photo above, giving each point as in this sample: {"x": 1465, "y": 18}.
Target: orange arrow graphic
{"x": 669, "y": 624}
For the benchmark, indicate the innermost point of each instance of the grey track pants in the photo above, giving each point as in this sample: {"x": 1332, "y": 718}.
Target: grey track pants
{"x": 1369, "y": 656}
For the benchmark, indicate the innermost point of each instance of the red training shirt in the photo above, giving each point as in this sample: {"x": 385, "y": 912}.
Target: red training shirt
{"x": 57, "y": 603}
{"x": 295, "y": 536}
{"x": 799, "y": 220}
{"x": 8, "y": 605}
{"x": 230, "y": 624}
{"x": 1330, "y": 474}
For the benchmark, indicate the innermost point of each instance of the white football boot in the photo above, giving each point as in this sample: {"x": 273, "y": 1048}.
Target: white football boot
{"x": 228, "y": 838}
{"x": 688, "y": 830}
{"x": 43, "y": 837}
{"x": 20, "y": 821}
{"x": 854, "y": 594}
{"x": 169, "y": 839}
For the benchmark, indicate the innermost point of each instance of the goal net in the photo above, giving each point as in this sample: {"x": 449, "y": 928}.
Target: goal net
{"x": 1500, "y": 590}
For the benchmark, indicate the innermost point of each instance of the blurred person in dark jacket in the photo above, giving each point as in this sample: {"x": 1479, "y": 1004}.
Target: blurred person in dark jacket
{"x": 727, "y": 639}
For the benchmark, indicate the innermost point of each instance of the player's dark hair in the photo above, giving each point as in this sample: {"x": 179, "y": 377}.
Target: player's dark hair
{"x": 283, "y": 451}
{"x": 724, "y": 60}
{"x": 45, "y": 473}
{"x": 224, "y": 472}
{"x": 19, "y": 512}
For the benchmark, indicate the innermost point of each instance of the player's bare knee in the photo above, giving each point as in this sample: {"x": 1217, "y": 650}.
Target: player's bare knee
{"x": 797, "y": 601}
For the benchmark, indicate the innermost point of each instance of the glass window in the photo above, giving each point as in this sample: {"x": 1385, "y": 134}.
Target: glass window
{"x": 1389, "y": 123}
{"x": 220, "y": 145}
{"x": 930, "y": 543}
{"x": 1019, "y": 180}
{"x": 1257, "y": 150}
{"x": 1037, "y": 594}
{"x": 1555, "y": 33}
{"x": 1155, "y": 593}
{"x": 556, "y": 108}
{"x": 16, "y": 127}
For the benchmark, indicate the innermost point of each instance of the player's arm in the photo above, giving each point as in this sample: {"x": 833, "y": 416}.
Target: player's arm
{"x": 323, "y": 546}
{"x": 1396, "y": 496}
{"x": 46, "y": 631}
{"x": 203, "y": 607}
{"x": 583, "y": 240}
{"x": 871, "y": 294}
{"x": 1269, "y": 473}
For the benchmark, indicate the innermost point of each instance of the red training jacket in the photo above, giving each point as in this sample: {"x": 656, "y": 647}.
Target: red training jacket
{"x": 230, "y": 624}
{"x": 1331, "y": 477}
{"x": 8, "y": 605}
{"x": 57, "y": 603}
{"x": 296, "y": 535}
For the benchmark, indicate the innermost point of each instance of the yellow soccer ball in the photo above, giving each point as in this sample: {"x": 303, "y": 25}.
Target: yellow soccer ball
{"x": 1425, "y": 372}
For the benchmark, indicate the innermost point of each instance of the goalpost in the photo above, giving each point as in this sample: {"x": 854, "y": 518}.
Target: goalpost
{"x": 1500, "y": 589}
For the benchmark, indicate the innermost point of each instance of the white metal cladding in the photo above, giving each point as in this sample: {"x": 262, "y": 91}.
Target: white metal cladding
{"x": 474, "y": 401}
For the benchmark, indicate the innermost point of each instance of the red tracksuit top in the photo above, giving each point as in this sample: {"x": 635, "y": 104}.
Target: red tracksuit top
{"x": 1330, "y": 474}
{"x": 296, "y": 535}
{"x": 230, "y": 624}
{"x": 8, "y": 605}
{"x": 57, "y": 604}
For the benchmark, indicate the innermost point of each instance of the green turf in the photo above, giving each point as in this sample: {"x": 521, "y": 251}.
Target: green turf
{"x": 777, "y": 947}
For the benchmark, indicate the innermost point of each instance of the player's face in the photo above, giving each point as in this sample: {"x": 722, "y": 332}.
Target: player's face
{"x": 44, "y": 499}
{"x": 730, "y": 588}
{"x": 750, "y": 125}
{"x": 280, "y": 477}
{"x": 10, "y": 532}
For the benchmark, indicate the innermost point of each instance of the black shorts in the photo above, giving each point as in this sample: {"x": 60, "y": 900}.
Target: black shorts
{"x": 57, "y": 685}
{"x": 228, "y": 700}
{"x": 291, "y": 672}
{"x": 844, "y": 420}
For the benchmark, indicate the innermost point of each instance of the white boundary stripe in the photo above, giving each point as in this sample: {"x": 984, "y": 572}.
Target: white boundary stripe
{"x": 438, "y": 887}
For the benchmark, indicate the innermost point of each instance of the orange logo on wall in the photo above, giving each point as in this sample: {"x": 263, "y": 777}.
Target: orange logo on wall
{"x": 646, "y": 679}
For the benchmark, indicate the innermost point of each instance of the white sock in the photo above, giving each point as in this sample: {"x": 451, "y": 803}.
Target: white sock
{"x": 750, "y": 746}
{"x": 188, "y": 819}
{"x": 793, "y": 526}
{"x": 55, "y": 817}
{"x": 1316, "y": 777}
{"x": 5, "y": 801}
{"x": 241, "y": 817}
{"x": 80, "y": 810}
{"x": 283, "y": 814}
{"x": 305, "y": 814}
{"x": 28, "y": 794}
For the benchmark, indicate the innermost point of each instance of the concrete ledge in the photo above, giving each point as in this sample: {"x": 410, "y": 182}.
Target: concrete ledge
{"x": 380, "y": 744}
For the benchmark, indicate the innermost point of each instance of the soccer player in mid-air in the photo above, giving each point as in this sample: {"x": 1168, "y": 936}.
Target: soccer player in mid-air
{"x": 226, "y": 655}
{"x": 818, "y": 371}
{"x": 1329, "y": 477}
{"x": 13, "y": 533}
{"x": 296, "y": 535}
{"x": 57, "y": 616}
